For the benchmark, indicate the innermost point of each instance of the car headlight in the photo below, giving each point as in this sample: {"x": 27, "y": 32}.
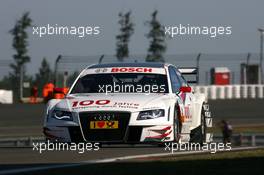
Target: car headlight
{"x": 62, "y": 115}
{"x": 151, "y": 114}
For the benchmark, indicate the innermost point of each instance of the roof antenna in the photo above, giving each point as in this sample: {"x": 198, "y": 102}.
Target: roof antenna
{"x": 101, "y": 59}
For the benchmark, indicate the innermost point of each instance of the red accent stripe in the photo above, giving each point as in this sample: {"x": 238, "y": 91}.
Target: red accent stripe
{"x": 160, "y": 136}
{"x": 167, "y": 128}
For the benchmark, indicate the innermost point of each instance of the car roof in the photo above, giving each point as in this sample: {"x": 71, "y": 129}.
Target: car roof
{"x": 149, "y": 64}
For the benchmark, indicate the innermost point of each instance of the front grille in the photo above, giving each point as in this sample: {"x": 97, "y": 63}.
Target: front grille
{"x": 104, "y": 135}
{"x": 134, "y": 134}
{"x": 75, "y": 134}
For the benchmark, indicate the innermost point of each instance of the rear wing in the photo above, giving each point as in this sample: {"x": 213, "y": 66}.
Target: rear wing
{"x": 190, "y": 74}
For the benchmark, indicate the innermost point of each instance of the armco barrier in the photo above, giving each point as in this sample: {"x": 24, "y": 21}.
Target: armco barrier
{"x": 243, "y": 139}
{"x": 214, "y": 92}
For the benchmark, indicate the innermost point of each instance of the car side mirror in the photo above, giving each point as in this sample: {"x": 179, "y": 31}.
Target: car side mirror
{"x": 61, "y": 91}
{"x": 185, "y": 89}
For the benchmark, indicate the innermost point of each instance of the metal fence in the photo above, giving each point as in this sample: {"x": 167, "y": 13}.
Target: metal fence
{"x": 205, "y": 62}
{"x": 74, "y": 64}
{"x": 243, "y": 139}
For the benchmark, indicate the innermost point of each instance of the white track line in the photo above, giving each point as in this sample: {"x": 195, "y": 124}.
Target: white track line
{"x": 108, "y": 160}
{"x": 163, "y": 155}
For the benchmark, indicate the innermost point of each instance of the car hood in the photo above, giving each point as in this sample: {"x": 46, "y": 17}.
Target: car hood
{"x": 113, "y": 102}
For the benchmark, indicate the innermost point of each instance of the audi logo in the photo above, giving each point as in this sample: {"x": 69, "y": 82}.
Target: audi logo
{"x": 106, "y": 117}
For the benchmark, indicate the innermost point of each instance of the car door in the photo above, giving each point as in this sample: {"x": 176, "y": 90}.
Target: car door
{"x": 184, "y": 98}
{"x": 187, "y": 96}
{"x": 175, "y": 86}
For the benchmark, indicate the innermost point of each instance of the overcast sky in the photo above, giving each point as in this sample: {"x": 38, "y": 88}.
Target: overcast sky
{"x": 243, "y": 15}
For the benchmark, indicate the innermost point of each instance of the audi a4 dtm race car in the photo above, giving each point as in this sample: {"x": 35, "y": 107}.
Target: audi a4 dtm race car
{"x": 129, "y": 103}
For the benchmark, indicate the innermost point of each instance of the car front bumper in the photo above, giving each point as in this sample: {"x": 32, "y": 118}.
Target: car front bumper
{"x": 132, "y": 134}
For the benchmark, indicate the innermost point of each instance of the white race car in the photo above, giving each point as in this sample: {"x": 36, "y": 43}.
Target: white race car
{"x": 129, "y": 103}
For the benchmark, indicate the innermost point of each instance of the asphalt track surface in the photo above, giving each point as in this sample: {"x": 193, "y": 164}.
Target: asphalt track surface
{"x": 26, "y": 120}
{"x": 238, "y": 112}
{"x": 17, "y": 158}
{"x": 28, "y": 156}
{"x": 142, "y": 155}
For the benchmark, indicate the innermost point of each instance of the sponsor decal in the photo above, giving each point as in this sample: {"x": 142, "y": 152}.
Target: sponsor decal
{"x": 103, "y": 104}
{"x": 126, "y": 104}
{"x": 103, "y": 124}
{"x": 102, "y": 70}
{"x": 89, "y": 102}
{"x": 131, "y": 69}
{"x": 149, "y": 70}
{"x": 187, "y": 112}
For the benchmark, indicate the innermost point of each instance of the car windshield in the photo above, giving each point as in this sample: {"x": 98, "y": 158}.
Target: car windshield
{"x": 121, "y": 83}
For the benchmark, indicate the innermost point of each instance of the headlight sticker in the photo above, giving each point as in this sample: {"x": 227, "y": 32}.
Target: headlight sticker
{"x": 62, "y": 115}
{"x": 151, "y": 114}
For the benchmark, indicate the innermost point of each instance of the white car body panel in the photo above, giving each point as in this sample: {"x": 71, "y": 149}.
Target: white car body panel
{"x": 159, "y": 129}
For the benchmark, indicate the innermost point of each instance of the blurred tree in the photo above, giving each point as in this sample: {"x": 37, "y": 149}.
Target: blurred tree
{"x": 44, "y": 75}
{"x": 20, "y": 45}
{"x": 156, "y": 36}
{"x": 126, "y": 29}
{"x": 6, "y": 83}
